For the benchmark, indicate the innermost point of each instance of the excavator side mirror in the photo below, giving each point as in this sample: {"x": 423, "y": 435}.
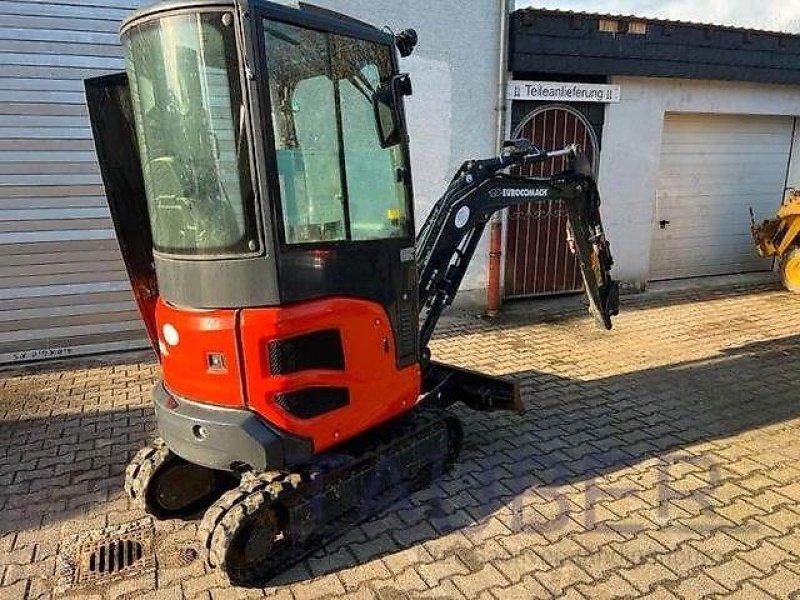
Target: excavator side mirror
{"x": 385, "y": 102}
{"x": 386, "y": 121}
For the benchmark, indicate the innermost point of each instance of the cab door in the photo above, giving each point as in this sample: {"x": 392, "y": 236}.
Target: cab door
{"x": 111, "y": 115}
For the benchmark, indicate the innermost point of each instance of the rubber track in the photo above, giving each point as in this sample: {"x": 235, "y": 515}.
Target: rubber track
{"x": 222, "y": 521}
{"x": 141, "y": 469}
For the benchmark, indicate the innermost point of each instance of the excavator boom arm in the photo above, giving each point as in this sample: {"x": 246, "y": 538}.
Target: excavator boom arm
{"x": 450, "y": 235}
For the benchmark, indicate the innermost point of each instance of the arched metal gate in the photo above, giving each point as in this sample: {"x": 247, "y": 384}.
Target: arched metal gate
{"x": 538, "y": 260}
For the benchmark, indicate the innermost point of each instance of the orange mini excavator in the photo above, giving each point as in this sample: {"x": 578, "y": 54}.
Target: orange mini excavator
{"x": 256, "y": 165}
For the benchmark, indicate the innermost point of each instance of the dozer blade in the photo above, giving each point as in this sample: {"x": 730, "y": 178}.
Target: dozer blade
{"x": 591, "y": 248}
{"x": 445, "y": 384}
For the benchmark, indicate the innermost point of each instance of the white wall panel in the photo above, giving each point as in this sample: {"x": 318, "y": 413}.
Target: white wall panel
{"x": 631, "y": 156}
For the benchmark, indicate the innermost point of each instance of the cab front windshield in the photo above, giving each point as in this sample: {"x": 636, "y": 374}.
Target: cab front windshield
{"x": 184, "y": 80}
{"x": 337, "y": 181}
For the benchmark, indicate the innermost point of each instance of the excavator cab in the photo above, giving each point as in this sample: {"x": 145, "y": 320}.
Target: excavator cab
{"x": 270, "y": 146}
{"x": 256, "y": 164}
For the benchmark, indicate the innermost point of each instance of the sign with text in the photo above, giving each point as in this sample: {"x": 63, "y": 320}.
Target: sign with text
{"x": 562, "y": 91}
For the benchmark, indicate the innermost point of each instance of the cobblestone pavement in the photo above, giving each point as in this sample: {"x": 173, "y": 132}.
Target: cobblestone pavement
{"x": 661, "y": 459}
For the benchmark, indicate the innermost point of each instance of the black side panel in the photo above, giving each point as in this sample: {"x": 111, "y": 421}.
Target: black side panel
{"x": 111, "y": 115}
{"x": 383, "y": 271}
{"x": 318, "y": 350}
{"x": 314, "y": 401}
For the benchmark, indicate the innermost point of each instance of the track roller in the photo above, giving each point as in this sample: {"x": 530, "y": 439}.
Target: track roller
{"x": 243, "y": 531}
{"x": 168, "y": 487}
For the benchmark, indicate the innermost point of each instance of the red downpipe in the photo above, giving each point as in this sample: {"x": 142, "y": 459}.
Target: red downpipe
{"x": 496, "y": 223}
{"x": 493, "y": 288}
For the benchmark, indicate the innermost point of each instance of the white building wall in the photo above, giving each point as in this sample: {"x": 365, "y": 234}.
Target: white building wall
{"x": 452, "y": 114}
{"x": 631, "y": 146}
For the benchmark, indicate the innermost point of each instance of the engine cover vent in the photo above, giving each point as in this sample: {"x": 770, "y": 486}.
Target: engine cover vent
{"x": 313, "y": 401}
{"x": 318, "y": 350}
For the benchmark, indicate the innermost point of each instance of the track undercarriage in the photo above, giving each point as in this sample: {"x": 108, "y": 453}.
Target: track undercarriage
{"x": 255, "y": 528}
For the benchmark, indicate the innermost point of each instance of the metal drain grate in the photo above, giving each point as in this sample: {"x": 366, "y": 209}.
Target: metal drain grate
{"x": 99, "y": 556}
{"x": 110, "y": 558}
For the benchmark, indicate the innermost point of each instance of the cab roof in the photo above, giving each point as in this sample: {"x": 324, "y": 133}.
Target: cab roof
{"x": 152, "y": 10}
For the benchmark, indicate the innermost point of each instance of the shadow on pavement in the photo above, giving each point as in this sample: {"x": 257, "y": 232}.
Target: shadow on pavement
{"x": 575, "y": 431}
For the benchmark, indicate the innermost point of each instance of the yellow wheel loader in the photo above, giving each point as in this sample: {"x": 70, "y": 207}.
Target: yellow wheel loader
{"x": 778, "y": 237}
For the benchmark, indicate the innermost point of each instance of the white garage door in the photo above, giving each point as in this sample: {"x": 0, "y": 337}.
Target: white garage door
{"x": 63, "y": 287}
{"x": 713, "y": 168}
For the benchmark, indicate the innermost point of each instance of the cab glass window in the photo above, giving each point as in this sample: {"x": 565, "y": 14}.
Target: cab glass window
{"x": 184, "y": 77}
{"x": 336, "y": 181}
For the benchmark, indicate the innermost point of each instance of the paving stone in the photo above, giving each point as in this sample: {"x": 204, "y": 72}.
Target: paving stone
{"x": 434, "y": 572}
{"x": 523, "y": 540}
{"x": 764, "y": 557}
{"x": 752, "y": 533}
{"x": 446, "y": 591}
{"x": 639, "y": 548}
{"x": 748, "y": 591}
{"x": 354, "y": 577}
{"x": 647, "y": 575}
{"x": 325, "y": 586}
{"x": 604, "y": 560}
{"x": 659, "y": 593}
{"x": 718, "y": 545}
{"x": 326, "y": 562}
{"x": 446, "y": 545}
{"x": 741, "y": 510}
{"x": 789, "y": 542}
{"x": 732, "y": 572}
{"x": 558, "y": 579}
{"x": 474, "y": 583}
{"x": 697, "y": 586}
{"x": 596, "y": 538}
{"x": 14, "y": 590}
{"x": 781, "y": 584}
{"x": 684, "y": 559}
{"x": 408, "y": 582}
{"x": 528, "y": 588}
{"x": 556, "y": 554}
{"x": 202, "y": 583}
{"x": 612, "y": 587}
{"x": 398, "y": 562}
{"x": 520, "y": 565}
{"x": 673, "y": 536}
{"x": 411, "y": 535}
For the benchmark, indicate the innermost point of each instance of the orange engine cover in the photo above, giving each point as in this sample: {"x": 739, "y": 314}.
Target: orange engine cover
{"x": 376, "y": 389}
{"x": 187, "y": 340}
{"x": 286, "y": 362}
